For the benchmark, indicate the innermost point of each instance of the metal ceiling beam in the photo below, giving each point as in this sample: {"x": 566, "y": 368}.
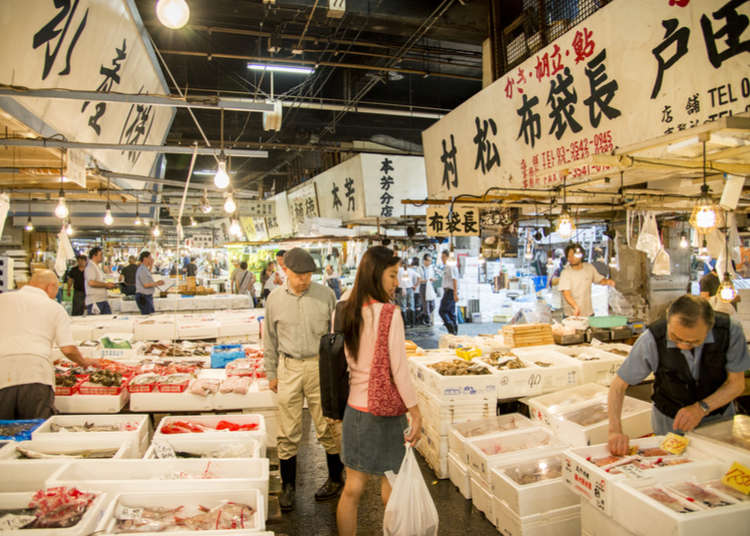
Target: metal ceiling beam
{"x": 155, "y": 180}
{"x": 202, "y": 102}
{"x": 168, "y": 149}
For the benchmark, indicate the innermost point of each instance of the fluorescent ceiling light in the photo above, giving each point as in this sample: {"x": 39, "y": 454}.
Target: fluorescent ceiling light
{"x": 280, "y": 68}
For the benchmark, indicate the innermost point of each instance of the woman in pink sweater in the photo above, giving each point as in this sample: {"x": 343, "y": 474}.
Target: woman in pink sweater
{"x": 372, "y": 445}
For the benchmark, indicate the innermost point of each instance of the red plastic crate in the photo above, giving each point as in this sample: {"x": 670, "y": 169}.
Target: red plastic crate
{"x": 94, "y": 389}
{"x": 142, "y": 388}
{"x": 66, "y": 391}
{"x": 172, "y": 387}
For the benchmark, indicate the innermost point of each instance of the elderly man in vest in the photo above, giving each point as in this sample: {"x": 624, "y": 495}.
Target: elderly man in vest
{"x": 698, "y": 358}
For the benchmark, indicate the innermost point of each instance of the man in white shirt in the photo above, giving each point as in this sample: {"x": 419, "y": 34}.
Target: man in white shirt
{"x": 575, "y": 283}
{"x": 450, "y": 294}
{"x": 280, "y": 275}
{"x": 96, "y": 287}
{"x": 405, "y": 293}
{"x": 426, "y": 289}
{"x": 31, "y": 322}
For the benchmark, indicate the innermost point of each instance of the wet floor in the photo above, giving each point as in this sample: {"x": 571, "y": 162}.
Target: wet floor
{"x": 427, "y": 337}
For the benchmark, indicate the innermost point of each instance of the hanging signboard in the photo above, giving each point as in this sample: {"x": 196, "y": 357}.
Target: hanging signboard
{"x": 93, "y": 45}
{"x": 303, "y": 203}
{"x": 261, "y": 231}
{"x": 248, "y": 227}
{"x": 388, "y": 179}
{"x": 279, "y": 223}
{"x": 75, "y": 167}
{"x": 463, "y": 221}
{"x": 634, "y": 70}
{"x": 340, "y": 192}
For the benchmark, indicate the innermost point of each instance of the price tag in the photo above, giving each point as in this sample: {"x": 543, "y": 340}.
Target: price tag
{"x": 14, "y": 521}
{"x": 738, "y": 477}
{"x": 468, "y": 353}
{"x": 127, "y": 512}
{"x": 163, "y": 450}
{"x": 675, "y": 444}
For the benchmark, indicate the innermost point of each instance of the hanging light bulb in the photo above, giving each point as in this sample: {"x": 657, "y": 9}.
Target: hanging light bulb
{"x": 565, "y": 225}
{"x": 138, "y": 220}
{"x": 61, "y": 210}
{"x": 173, "y": 14}
{"x": 108, "y": 219}
{"x": 193, "y": 223}
{"x": 703, "y": 251}
{"x": 29, "y": 226}
{"x": 69, "y": 228}
{"x": 234, "y": 228}
{"x": 221, "y": 179}
{"x": 704, "y": 216}
{"x": 205, "y": 206}
{"x": 156, "y": 232}
{"x": 229, "y": 205}
{"x": 727, "y": 292}
{"x": 684, "y": 241}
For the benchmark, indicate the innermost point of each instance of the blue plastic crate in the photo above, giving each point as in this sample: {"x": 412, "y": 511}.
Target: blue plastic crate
{"x": 540, "y": 282}
{"x": 29, "y": 424}
{"x": 221, "y": 354}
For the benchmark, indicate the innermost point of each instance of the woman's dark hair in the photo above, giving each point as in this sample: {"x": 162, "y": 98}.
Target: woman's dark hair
{"x": 368, "y": 284}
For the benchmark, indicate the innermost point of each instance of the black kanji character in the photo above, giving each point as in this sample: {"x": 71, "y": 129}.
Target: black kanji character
{"x": 349, "y": 185}
{"x": 450, "y": 165}
{"x": 731, "y": 32}
{"x": 693, "y": 105}
{"x": 336, "y": 199}
{"x": 436, "y": 222}
{"x": 453, "y": 222}
{"x": 386, "y": 181}
{"x": 530, "y": 125}
{"x": 601, "y": 93}
{"x": 487, "y": 154}
{"x": 666, "y": 114}
{"x": 310, "y": 207}
{"x": 562, "y": 101}
{"x": 386, "y": 165}
{"x": 50, "y": 30}
{"x": 671, "y": 35}
{"x": 470, "y": 224}
{"x": 136, "y": 128}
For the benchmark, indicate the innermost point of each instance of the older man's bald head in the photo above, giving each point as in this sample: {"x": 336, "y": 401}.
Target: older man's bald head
{"x": 45, "y": 280}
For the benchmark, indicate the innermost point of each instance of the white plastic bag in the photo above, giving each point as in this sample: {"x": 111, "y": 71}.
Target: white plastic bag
{"x": 662, "y": 263}
{"x": 410, "y": 510}
{"x": 648, "y": 239}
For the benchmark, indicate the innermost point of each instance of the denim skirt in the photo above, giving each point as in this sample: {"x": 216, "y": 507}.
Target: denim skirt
{"x": 372, "y": 444}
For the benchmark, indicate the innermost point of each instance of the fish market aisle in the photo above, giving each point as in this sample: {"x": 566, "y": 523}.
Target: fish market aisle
{"x": 310, "y": 518}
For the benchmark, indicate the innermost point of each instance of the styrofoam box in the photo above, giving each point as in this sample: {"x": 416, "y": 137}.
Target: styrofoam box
{"x": 437, "y": 442}
{"x": 538, "y": 497}
{"x": 258, "y": 395}
{"x": 462, "y": 432}
{"x": 31, "y": 475}
{"x": 595, "y": 485}
{"x": 601, "y": 370}
{"x": 714, "y": 438}
{"x": 113, "y": 324}
{"x": 441, "y": 414}
{"x": 561, "y": 522}
{"x": 482, "y": 498}
{"x": 155, "y": 328}
{"x": 459, "y": 475}
{"x": 564, "y": 372}
{"x": 126, "y": 448}
{"x": 457, "y": 387}
{"x": 430, "y": 356}
{"x": 237, "y": 327}
{"x": 595, "y": 523}
{"x": 509, "y": 445}
{"x": 79, "y": 403}
{"x": 514, "y": 383}
{"x": 543, "y": 408}
{"x": 208, "y": 329}
{"x": 141, "y": 432}
{"x": 195, "y": 499}
{"x": 206, "y": 446}
{"x": 645, "y": 516}
{"x": 212, "y": 420}
{"x": 158, "y": 402}
{"x": 123, "y": 476}
{"x": 81, "y": 331}
{"x": 431, "y": 454}
{"x": 636, "y": 422}
{"x": 119, "y": 353}
{"x": 87, "y": 525}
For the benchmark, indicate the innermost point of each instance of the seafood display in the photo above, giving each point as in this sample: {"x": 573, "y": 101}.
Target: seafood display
{"x": 502, "y": 360}
{"x": 542, "y": 364}
{"x": 204, "y": 387}
{"x": 670, "y": 501}
{"x": 696, "y": 493}
{"x": 588, "y": 415}
{"x": 53, "y": 508}
{"x": 500, "y": 446}
{"x": 24, "y": 453}
{"x": 458, "y": 367}
{"x": 235, "y": 384}
{"x": 107, "y": 378}
{"x": 188, "y": 427}
{"x": 91, "y": 427}
{"x": 718, "y": 485}
{"x": 19, "y": 430}
{"x": 246, "y": 449}
{"x": 227, "y": 516}
{"x": 490, "y": 425}
{"x": 531, "y": 473}
{"x": 178, "y": 349}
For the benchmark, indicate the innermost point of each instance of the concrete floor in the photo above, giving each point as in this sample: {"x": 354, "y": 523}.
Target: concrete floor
{"x": 427, "y": 337}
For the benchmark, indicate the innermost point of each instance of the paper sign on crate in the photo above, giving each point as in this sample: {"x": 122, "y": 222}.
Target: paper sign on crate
{"x": 738, "y": 477}
{"x": 675, "y": 444}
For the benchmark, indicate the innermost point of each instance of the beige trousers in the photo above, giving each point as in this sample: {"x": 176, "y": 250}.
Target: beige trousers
{"x": 298, "y": 379}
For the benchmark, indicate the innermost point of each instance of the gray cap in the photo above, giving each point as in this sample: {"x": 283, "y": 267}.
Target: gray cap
{"x": 299, "y": 261}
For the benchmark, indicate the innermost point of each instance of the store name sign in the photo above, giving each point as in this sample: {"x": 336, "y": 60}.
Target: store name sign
{"x": 632, "y": 71}
{"x": 463, "y": 220}
{"x": 303, "y": 203}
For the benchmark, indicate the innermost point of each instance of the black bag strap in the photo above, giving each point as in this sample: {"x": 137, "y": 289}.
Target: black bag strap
{"x": 338, "y": 319}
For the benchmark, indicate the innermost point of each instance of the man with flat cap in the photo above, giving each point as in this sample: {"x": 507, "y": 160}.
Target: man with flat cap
{"x": 297, "y": 315}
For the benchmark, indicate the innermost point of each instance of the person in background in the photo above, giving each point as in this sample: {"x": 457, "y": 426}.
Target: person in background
{"x": 331, "y": 279}
{"x": 280, "y": 276}
{"x": 145, "y": 284}
{"x": 415, "y": 271}
{"x": 698, "y": 358}
{"x": 76, "y": 279}
{"x": 96, "y": 287}
{"x": 600, "y": 263}
{"x": 297, "y": 315}
{"x": 372, "y": 445}
{"x": 127, "y": 276}
{"x": 191, "y": 269}
{"x": 266, "y": 279}
{"x": 575, "y": 283}
{"x": 450, "y": 294}
{"x": 405, "y": 293}
{"x": 32, "y": 322}
{"x": 233, "y": 275}
{"x": 427, "y": 289}
{"x": 244, "y": 283}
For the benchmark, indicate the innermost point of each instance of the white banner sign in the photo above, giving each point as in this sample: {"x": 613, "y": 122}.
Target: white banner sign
{"x": 93, "y": 45}
{"x": 75, "y": 167}
{"x": 279, "y": 223}
{"x": 388, "y": 179}
{"x": 340, "y": 192}
{"x": 303, "y": 203}
{"x": 634, "y": 70}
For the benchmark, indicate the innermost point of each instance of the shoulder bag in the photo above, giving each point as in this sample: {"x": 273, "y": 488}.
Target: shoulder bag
{"x": 333, "y": 369}
{"x": 383, "y": 398}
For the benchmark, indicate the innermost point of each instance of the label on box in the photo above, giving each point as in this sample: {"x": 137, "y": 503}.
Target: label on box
{"x": 738, "y": 477}
{"x": 675, "y": 444}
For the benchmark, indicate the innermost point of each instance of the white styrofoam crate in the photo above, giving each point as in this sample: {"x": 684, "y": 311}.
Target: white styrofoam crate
{"x": 597, "y": 365}
{"x": 459, "y": 475}
{"x": 257, "y": 396}
{"x": 123, "y": 476}
{"x": 536, "y": 497}
{"x": 462, "y": 432}
{"x": 113, "y": 324}
{"x": 87, "y": 525}
{"x": 118, "y": 353}
{"x": 28, "y": 476}
{"x": 191, "y": 500}
{"x": 506, "y": 446}
{"x": 155, "y": 328}
{"x": 140, "y": 426}
{"x": 431, "y": 453}
{"x": 482, "y": 498}
{"x": 441, "y": 414}
{"x": 158, "y": 402}
{"x": 207, "y": 447}
{"x": 238, "y": 327}
{"x": 594, "y": 522}
{"x": 726, "y": 440}
{"x": 644, "y": 516}
{"x": 79, "y": 403}
{"x": 271, "y": 418}
{"x": 207, "y": 329}
{"x": 543, "y": 408}
{"x": 81, "y": 331}
{"x": 560, "y": 522}
{"x": 514, "y": 383}
{"x": 595, "y": 484}
{"x": 564, "y": 372}
{"x": 456, "y": 387}
{"x": 436, "y": 441}
{"x": 126, "y": 448}
{"x": 212, "y": 420}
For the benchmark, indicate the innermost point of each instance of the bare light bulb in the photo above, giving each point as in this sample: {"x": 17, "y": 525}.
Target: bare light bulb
{"x": 565, "y": 227}
{"x": 29, "y": 226}
{"x": 229, "y": 205}
{"x": 481, "y": 259}
{"x": 706, "y": 217}
{"x": 61, "y": 210}
{"x": 221, "y": 179}
{"x": 138, "y": 220}
{"x": 234, "y": 228}
{"x": 156, "y": 232}
{"x": 727, "y": 292}
{"x": 69, "y": 229}
{"x": 193, "y": 223}
{"x": 684, "y": 241}
{"x": 173, "y": 14}
{"x": 108, "y": 219}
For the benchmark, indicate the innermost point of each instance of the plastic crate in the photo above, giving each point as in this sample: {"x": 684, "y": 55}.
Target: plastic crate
{"x": 141, "y": 388}
{"x": 61, "y": 390}
{"x": 221, "y": 354}
{"x": 172, "y": 387}
{"x": 459, "y": 475}
{"x": 461, "y": 433}
{"x": 87, "y": 524}
{"x": 87, "y": 388}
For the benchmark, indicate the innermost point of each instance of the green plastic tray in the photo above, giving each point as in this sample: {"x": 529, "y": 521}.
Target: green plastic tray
{"x": 613, "y": 321}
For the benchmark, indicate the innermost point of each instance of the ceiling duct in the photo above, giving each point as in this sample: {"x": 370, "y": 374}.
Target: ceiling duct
{"x": 403, "y": 145}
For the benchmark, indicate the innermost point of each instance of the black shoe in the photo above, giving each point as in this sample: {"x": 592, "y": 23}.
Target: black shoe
{"x": 329, "y": 490}
{"x": 286, "y": 499}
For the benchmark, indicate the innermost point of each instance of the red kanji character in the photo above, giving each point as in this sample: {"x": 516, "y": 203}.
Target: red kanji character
{"x": 524, "y": 169}
{"x": 509, "y": 88}
{"x": 583, "y": 45}
{"x": 679, "y": 3}
{"x": 521, "y": 76}
{"x": 542, "y": 67}
{"x": 556, "y": 61}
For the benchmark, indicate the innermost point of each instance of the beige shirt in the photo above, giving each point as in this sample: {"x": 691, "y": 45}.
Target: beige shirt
{"x": 293, "y": 325}
{"x": 31, "y": 323}
{"x": 94, "y": 294}
{"x": 578, "y": 282}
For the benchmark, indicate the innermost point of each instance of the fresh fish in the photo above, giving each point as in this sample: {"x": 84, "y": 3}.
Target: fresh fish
{"x": 30, "y": 454}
